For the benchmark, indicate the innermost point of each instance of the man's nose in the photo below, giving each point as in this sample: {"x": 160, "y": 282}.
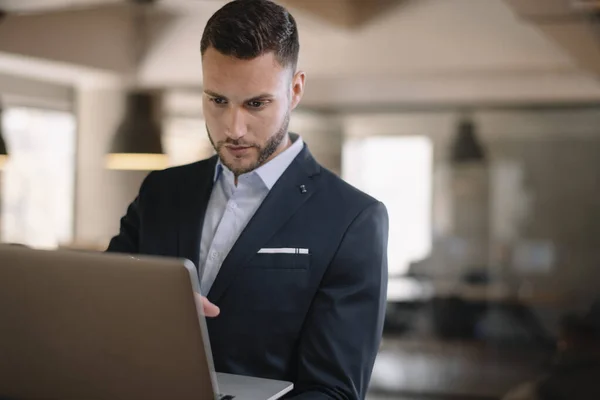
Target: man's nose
{"x": 236, "y": 127}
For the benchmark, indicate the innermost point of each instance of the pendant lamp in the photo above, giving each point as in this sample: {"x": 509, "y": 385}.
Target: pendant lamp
{"x": 137, "y": 142}
{"x": 466, "y": 147}
{"x": 3, "y": 150}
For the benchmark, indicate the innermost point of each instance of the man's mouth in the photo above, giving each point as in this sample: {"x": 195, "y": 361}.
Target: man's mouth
{"x": 237, "y": 150}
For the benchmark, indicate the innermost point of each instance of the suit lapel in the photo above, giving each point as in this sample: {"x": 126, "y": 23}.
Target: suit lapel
{"x": 193, "y": 201}
{"x": 292, "y": 189}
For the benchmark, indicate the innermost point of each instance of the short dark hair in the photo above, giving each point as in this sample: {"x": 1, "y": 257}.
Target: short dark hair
{"x": 246, "y": 29}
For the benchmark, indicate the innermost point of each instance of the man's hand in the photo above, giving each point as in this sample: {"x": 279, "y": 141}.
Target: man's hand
{"x": 210, "y": 310}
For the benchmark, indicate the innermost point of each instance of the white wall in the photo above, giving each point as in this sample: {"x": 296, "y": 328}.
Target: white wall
{"x": 99, "y": 38}
{"x": 18, "y": 90}
{"x": 323, "y": 135}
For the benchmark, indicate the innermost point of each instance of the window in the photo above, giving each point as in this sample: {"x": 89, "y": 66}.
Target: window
{"x": 398, "y": 172}
{"x": 37, "y": 192}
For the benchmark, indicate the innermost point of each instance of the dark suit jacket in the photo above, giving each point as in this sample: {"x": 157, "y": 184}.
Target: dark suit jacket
{"x": 314, "y": 319}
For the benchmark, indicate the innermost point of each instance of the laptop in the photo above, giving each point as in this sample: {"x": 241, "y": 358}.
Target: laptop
{"x": 83, "y": 325}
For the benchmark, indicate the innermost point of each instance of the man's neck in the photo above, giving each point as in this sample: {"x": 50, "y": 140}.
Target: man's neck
{"x": 283, "y": 146}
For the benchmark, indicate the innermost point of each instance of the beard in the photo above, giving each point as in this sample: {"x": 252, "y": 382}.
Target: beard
{"x": 264, "y": 152}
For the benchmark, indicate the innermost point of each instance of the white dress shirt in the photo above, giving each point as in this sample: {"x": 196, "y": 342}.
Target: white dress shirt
{"x": 231, "y": 207}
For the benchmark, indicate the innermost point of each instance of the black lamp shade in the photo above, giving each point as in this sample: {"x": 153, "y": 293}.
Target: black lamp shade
{"x": 138, "y": 137}
{"x": 466, "y": 147}
{"x": 3, "y": 151}
{"x": 139, "y": 133}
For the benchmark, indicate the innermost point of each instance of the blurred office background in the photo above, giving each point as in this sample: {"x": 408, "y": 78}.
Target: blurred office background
{"x": 477, "y": 123}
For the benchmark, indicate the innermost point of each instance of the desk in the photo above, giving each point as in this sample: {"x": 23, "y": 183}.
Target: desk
{"x": 411, "y": 290}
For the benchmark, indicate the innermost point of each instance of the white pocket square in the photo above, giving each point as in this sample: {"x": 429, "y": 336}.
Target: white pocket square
{"x": 283, "y": 250}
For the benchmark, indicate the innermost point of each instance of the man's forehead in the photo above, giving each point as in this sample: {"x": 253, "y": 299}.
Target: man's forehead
{"x": 213, "y": 59}
{"x": 228, "y": 76}
{"x": 217, "y": 65}
{"x": 241, "y": 86}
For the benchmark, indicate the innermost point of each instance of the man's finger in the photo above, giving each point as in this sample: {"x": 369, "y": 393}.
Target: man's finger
{"x": 209, "y": 309}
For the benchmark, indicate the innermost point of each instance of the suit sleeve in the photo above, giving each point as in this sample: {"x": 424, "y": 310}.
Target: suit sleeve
{"x": 343, "y": 330}
{"x": 127, "y": 241}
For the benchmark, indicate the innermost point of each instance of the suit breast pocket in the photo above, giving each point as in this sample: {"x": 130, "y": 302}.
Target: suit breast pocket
{"x": 279, "y": 261}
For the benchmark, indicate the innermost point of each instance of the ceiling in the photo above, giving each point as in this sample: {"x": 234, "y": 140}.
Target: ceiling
{"x": 38, "y": 6}
{"x": 396, "y": 52}
{"x": 571, "y": 24}
{"x": 344, "y": 13}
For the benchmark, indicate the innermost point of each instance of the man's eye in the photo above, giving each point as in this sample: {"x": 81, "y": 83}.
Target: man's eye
{"x": 218, "y": 100}
{"x": 256, "y": 104}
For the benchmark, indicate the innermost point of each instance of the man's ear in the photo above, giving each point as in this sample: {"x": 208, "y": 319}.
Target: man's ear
{"x": 297, "y": 88}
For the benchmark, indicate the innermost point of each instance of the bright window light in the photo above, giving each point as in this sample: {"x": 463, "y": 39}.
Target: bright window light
{"x": 397, "y": 171}
{"x": 37, "y": 189}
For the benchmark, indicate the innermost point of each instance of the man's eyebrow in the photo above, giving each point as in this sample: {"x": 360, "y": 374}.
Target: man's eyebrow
{"x": 261, "y": 96}
{"x": 214, "y": 94}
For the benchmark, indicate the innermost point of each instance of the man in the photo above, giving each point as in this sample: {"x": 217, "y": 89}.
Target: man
{"x": 293, "y": 260}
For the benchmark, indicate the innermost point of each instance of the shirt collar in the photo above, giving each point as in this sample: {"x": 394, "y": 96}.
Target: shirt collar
{"x": 271, "y": 171}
